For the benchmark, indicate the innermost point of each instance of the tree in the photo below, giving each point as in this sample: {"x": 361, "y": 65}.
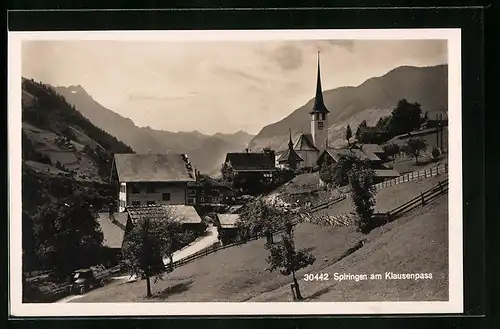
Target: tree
{"x": 348, "y": 134}
{"x": 227, "y": 173}
{"x": 360, "y": 129}
{"x": 391, "y": 150}
{"x": 145, "y": 245}
{"x": 262, "y": 217}
{"x": 383, "y": 122}
{"x": 363, "y": 195}
{"x": 67, "y": 235}
{"x": 405, "y": 117}
{"x": 342, "y": 167}
{"x": 435, "y": 153}
{"x": 327, "y": 171}
{"x": 414, "y": 146}
{"x": 284, "y": 256}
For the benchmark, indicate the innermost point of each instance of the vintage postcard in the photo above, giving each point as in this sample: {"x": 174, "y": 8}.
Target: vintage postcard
{"x": 280, "y": 172}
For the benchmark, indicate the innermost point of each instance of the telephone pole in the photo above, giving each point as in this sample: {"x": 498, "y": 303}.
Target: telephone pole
{"x": 441, "y": 131}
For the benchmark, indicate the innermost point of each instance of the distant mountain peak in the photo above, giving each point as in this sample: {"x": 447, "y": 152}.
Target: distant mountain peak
{"x": 77, "y": 89}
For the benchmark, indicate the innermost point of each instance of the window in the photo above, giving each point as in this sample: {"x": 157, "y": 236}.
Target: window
{"x": 135, "y": 189}
{"x": 323, "y": 116}
{"x": 149, "y": 203}
{"x": 165, "y": 196}
{"x": 190, "y": 201}
{"x": 320, "y": 125}
{"x": 151, "y": 188}
{"x": 136, "y": 203}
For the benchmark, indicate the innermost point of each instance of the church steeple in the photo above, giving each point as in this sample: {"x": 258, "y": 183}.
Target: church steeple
{"x": 290, "y": 143}
{"x": 319, "y": 105}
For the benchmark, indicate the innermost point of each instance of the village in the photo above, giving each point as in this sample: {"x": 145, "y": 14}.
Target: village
{"x": 298, "y": 183}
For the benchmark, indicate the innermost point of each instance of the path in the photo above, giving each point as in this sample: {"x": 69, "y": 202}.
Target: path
{"x": 210, "y": 237}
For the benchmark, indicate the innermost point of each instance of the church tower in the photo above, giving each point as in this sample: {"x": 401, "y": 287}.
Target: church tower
{"x": 319, "y": 117}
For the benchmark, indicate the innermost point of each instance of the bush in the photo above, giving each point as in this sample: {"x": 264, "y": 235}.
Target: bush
{"x": 435, "y": 154}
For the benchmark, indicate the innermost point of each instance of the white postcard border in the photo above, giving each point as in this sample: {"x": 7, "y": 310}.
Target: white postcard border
{"x": 455, "y": 303}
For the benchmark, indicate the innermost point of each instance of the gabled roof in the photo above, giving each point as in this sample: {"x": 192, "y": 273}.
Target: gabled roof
{"x": 247, "y": 161}
{"x": 153, "y": 168}
{"x": 360, "y": 154}
{"x": 205, "y": 179}
{"x": 304, "y": 143}
{"x": 113, "y": 228}
{"x": 386, "y": 173}
{"x": 373, "y": 148}
{"x": 289, "y": 156}
{"x": 228, "y": 220}
{"x": 181, "y": 213}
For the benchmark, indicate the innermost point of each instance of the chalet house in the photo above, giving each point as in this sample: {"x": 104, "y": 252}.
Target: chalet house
{"x": 366, "y": 152}
{"x": 249, "y": 167}
{"x": 226, "y": 226}
{"x": 213, "y": 192}
{"x": 114, "y": 228}
{"x": 147, "y": 179}
{"x": 435, "y": 118}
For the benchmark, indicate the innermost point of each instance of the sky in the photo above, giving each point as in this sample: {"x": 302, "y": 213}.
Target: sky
{"x": 216, "y": 86}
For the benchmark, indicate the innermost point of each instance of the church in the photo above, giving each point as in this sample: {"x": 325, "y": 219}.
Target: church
{"x": 309, "y": 150}
{"x": 305, "y": 151}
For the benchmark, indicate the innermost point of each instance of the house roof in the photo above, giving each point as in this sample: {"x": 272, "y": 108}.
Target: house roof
{"x": 205, "y": 179}
{"x": 386, "y": 173}
{"x": 228, "y": 220}
{"x": 182, "y": 213}
{"x": 113, "y": 230}
{"x": 373, "y": 148}
{"x": 304, "y": 143}
{"x": 153, "y": 168}
{"x": 361, "y": 154}
{"x": 247, "y": 161}
{"x": 288, "y": 156}
{"x": 236, "y": 209}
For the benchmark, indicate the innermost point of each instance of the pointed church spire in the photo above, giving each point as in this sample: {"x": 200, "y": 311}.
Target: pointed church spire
{"x": 319, "y": 105}
{"x": 290, "y": 143}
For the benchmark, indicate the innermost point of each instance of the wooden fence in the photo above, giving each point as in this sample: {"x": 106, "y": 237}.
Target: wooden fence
{"x": 420, "y": 200}
{"x": 415, "y": 175}
{"x": 328, "y": 203}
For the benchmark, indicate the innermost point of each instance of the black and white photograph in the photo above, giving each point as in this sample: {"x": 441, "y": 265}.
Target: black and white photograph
{"x": 256, "y": 172}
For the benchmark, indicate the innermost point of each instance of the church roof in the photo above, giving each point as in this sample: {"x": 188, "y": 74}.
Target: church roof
{"x": 304, "y": 143}
{"x": 247, "y": 161}
{"x": 289, "y": 155}
{"x": 319, "y": 104}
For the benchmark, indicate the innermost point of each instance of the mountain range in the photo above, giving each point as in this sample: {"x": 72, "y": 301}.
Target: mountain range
{"x": 207, "y": 152}
{"x": 374, "y": 98}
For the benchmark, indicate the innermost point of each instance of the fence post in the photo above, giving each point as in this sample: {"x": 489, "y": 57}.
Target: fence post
{"x": 441, "y": 187}
{"x": 423, "y": 199}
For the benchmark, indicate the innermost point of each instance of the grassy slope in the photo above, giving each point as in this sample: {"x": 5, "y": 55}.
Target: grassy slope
{"x": 417, "y": 243}
{"x": 239, "y": 273}
{"x": 389, "y": 198}
{"x": 234, "y": 274}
